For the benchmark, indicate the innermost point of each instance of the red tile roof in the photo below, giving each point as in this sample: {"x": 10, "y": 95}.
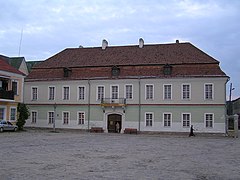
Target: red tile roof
{"x": 4, "y": 66}
{"x": 186, "y": 60}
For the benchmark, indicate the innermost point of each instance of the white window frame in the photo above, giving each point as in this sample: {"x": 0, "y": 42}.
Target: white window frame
{"x": 205, "y": 98}
{"x": 68, "y": 117}
{"x": 84, "y": 93}
{"x": 63, "y": 93}
{"x": 97, "y": 92}
{"x": 54, "y": 93}
{"x": 32, "y": 93}
{"x": 17, "y": 86}
{"x": 186, "y": 84}
{"x": 36, "y": 118}
{"x": 147, "y": 93}
{"x": 170, "y": 120}
{"x": 111, "y": 91}
{"x": 4, "y": 112}
{"x": 10, "y": 114}
{"x": 186, "y": 121}
{"x": 125, "y": 91}
{"x": 205, "y": 120}
{"x": 164, "y": 91}
{"x": 152, "y": 120}
{"x": 48, "y": 117}
{"x": 78, "y": 118}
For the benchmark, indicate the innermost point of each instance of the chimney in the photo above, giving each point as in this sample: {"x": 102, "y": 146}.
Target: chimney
{"x": 104, "y": 44}
{"x": 141, "y": 43}
{"x": 177, "y": 41}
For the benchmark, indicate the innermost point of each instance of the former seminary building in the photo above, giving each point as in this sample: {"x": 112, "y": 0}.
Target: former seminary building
{"x": 151, "y": 88}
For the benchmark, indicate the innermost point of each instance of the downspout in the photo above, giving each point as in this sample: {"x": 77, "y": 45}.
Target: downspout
{"x": 139, "y": 104}
{"x": 89, "y": 91}
{"x": 226, "y": 116}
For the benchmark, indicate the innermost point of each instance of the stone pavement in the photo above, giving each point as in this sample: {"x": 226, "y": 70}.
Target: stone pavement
{"x": 41, "y": 155}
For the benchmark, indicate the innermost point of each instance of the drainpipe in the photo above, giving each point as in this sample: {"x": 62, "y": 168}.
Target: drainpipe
{"x": 139, "y": 104}
{"x": 89, "y": 91}
{"x": 226, "y": 116}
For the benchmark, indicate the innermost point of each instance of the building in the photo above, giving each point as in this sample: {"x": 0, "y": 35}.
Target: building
{"x": 156, "y": 88}
{"x": 11, "y": 90}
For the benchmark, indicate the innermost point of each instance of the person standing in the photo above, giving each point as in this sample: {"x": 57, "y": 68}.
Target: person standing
{"x": 117, "y": 127}
{"x": 191, "y": 131}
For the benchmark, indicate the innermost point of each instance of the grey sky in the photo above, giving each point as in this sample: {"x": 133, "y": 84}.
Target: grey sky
{"x": 49, "y": 26}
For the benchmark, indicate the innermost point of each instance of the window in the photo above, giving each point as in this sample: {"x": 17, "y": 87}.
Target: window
{"x": 149, "y": 91}
{"x": 167, "y": 119}
{"x": 209, "y": 120}
{"x": 13, "y": 114}
{"x": 66, "y": 92}
{"x": 50, "y": 117}
{"x": 100, "y": 92}
{"x": 81, "y": 92}
{"x": 208, "y": 91}
{"x": 2, "y": 110}
{"x": 186, "y": 117}
{"x": 167, "y": 89}
{"x": 186, "y": 91}
{"x": 114, "y": 92}
{"x": 34, "y": 117}
{"x": 81, "y": 117}
{"x": 51, "y": 94}
{"x": 129, "y": 91}
{"x": 149, "y": 119}
{"x": 66, "y": 117}
{"x": 15, "y": 87}
{"x": 34, "y": 93}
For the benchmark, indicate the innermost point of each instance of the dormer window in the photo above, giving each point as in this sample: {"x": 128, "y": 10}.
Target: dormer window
{"x": 67, "y": 72}
{"x": 115, "y": 71}
{"x": 167, "y": 69}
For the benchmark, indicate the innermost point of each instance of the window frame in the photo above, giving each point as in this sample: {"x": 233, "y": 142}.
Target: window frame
{"x": 168, "y": 126}
{"x": 212, "y": 92}
{"x": 63, "y": 93}
{"x": 50, "y": 93}
{"x": 206, "y": 121}
{"x": 34, "y": 121}
{"x": 82, "y": 120}
{"x": 148, "y": 95}
{"x": 189, "y": 92}
{"x": 84, "y": 93}
{"x": 48, "y": 115}
{"x": 68, "y": 120}
{"x": 186, "y": 126}
{"x": 34, "y": 94}
{"x": 125, "y": 92}
{"x": 164, "y": 98}
{"x": 97, "y": 92}
{"x": 10, "y": 114}
{"x": 150, "y": 120}
{"x": 17, "y": 88}
{"x": 111, "y": 91}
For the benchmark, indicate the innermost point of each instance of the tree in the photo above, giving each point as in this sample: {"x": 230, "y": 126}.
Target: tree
{"x": 23, "y": 115}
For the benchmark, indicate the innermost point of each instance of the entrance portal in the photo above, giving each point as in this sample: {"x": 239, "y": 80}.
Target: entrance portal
{"x": 114, "y": 123}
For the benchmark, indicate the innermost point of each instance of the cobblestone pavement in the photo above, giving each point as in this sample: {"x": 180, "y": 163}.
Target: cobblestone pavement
{"x": 41, "y": 155}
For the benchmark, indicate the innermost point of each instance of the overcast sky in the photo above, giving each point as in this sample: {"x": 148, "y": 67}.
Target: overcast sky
{"x": 49, "y": 26}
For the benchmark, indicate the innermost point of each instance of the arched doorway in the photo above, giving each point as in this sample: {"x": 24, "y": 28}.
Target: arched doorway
{"x": 114, "y": 121}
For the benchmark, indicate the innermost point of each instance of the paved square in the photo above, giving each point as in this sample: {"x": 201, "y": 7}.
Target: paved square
{"x": 72, "y": 155}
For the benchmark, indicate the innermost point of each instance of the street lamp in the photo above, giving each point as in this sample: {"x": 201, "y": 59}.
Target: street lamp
{"x": 54, "y": 119}
{"x": 230, "y": 93}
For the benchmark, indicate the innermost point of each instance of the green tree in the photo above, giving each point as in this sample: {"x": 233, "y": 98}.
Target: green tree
{"x": 23, "y": 114}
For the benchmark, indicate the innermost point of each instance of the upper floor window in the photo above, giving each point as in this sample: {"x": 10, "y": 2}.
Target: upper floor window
{"x": 167, "y": 91}
{"x": 81, "y": 117}
{"x": 81, "y": 92}
{"x": 15, "y": 87}
{"x": 100, "y": 92}
{"x": 167, "y": 118}
{"x": 13, "y": 114}
{"x": 34, "y": 117}
{"x": 208, "y": 91}
{"x": 128, "y": 91}
{"x": 51, "y": 93}
{"x": 114, "y": 90}
{"x": 209, "y": 117}
{"x": 186, "y": 91}
{"x": 66, "y": 92}
{"x": 34, "y": 93}
{"x": 149, "y": 91}
{"x": 149, "y": 119}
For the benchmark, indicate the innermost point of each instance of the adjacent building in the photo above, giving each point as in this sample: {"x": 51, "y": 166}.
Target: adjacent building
{"x": 11, "y": 90}
{"x": 151, "y": 88}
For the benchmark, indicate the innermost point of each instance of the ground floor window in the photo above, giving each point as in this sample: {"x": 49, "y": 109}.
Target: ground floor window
{"x": 13, "y": 114}
{"x": 2, "y": 114}
{"x": 50, "y": 117}
{"x": 209, "y": 120}
{"x": 66, "y": 117}
{"x": 81, "y": 117}
{"x": 34, "y": 117}
{"x": 167, "y": 119}
{"x": 186, "y": 119}
{"x": 149, "y": 119}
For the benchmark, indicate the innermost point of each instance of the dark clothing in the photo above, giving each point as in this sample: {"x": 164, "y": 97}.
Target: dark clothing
{"x": 191, "y": 132}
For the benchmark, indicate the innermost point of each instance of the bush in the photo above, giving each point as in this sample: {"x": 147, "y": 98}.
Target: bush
{"x": 23, "y": 115}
